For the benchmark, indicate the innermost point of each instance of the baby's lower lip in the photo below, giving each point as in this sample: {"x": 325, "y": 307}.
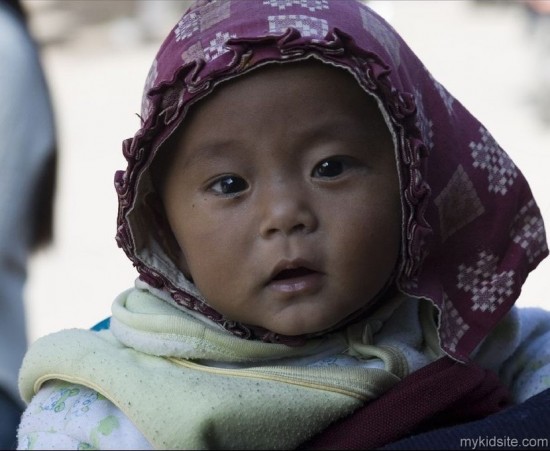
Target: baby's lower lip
{"x": 301, "y": 284}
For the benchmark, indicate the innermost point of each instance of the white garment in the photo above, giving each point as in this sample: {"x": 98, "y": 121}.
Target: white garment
{"x": 67, "y": 416}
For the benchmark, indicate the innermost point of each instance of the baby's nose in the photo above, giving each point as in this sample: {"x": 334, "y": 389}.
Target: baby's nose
{"x": 286, "y": 212}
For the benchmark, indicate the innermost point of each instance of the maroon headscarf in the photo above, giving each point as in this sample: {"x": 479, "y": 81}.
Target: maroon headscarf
{"x": 471, "y": 229}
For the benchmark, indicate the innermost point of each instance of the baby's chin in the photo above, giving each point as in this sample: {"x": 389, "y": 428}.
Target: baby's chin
{"x": 296, "y": 329}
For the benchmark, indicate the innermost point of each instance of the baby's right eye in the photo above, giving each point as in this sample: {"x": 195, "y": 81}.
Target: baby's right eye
{"x": 228, "y": 185}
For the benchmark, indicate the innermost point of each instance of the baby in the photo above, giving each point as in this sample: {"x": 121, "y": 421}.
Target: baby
{"x": 318, "y": 227}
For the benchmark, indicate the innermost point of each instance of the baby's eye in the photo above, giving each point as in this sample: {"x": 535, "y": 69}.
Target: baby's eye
{"x": 229, "y": 184}
{"x": 331, "y": 167}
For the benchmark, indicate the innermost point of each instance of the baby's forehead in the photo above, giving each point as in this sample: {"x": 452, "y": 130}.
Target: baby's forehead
{"x": 301, "y": 73}
{"x": 307, "y": 91}
{"x": 310, "y": 88}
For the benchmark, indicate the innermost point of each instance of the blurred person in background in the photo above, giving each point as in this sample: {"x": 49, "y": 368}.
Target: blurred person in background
{"x": 27, "y": 183}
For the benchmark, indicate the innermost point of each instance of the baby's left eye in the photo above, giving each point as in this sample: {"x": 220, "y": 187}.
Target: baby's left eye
{"x": 331, "y": 167}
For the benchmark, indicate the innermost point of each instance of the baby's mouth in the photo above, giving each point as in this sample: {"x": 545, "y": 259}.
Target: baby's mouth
{"x": 296, "y": 277}
{"x": 293, "y": 273}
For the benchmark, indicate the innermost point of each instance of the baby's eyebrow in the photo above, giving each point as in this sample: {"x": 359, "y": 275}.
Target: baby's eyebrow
{"x": 210, "y": 150}
{"x": 231, "y": 148}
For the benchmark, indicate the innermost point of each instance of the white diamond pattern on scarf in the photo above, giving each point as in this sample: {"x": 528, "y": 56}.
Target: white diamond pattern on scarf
{"x": 488, "y": 155}
{"x": 488, "y": 287}
{"x": 308, "y": 26}
{"x": 188, "y": 25}
{"x": 208, "y": 16}
{"x": 217, "y": 47}
{"x": 528, "y": 231}
{"x": 311, "y": 5}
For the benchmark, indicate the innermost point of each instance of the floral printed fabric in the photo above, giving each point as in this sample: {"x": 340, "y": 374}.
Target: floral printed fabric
{"x": 67, "y": 416}
{"x": 471, "y": 229}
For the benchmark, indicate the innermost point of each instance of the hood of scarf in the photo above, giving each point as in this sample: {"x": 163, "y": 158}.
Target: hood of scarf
{"x": 471, "y": 229}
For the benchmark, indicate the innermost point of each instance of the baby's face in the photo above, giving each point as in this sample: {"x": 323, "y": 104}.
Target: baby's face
{"x": 283, "y": 197}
